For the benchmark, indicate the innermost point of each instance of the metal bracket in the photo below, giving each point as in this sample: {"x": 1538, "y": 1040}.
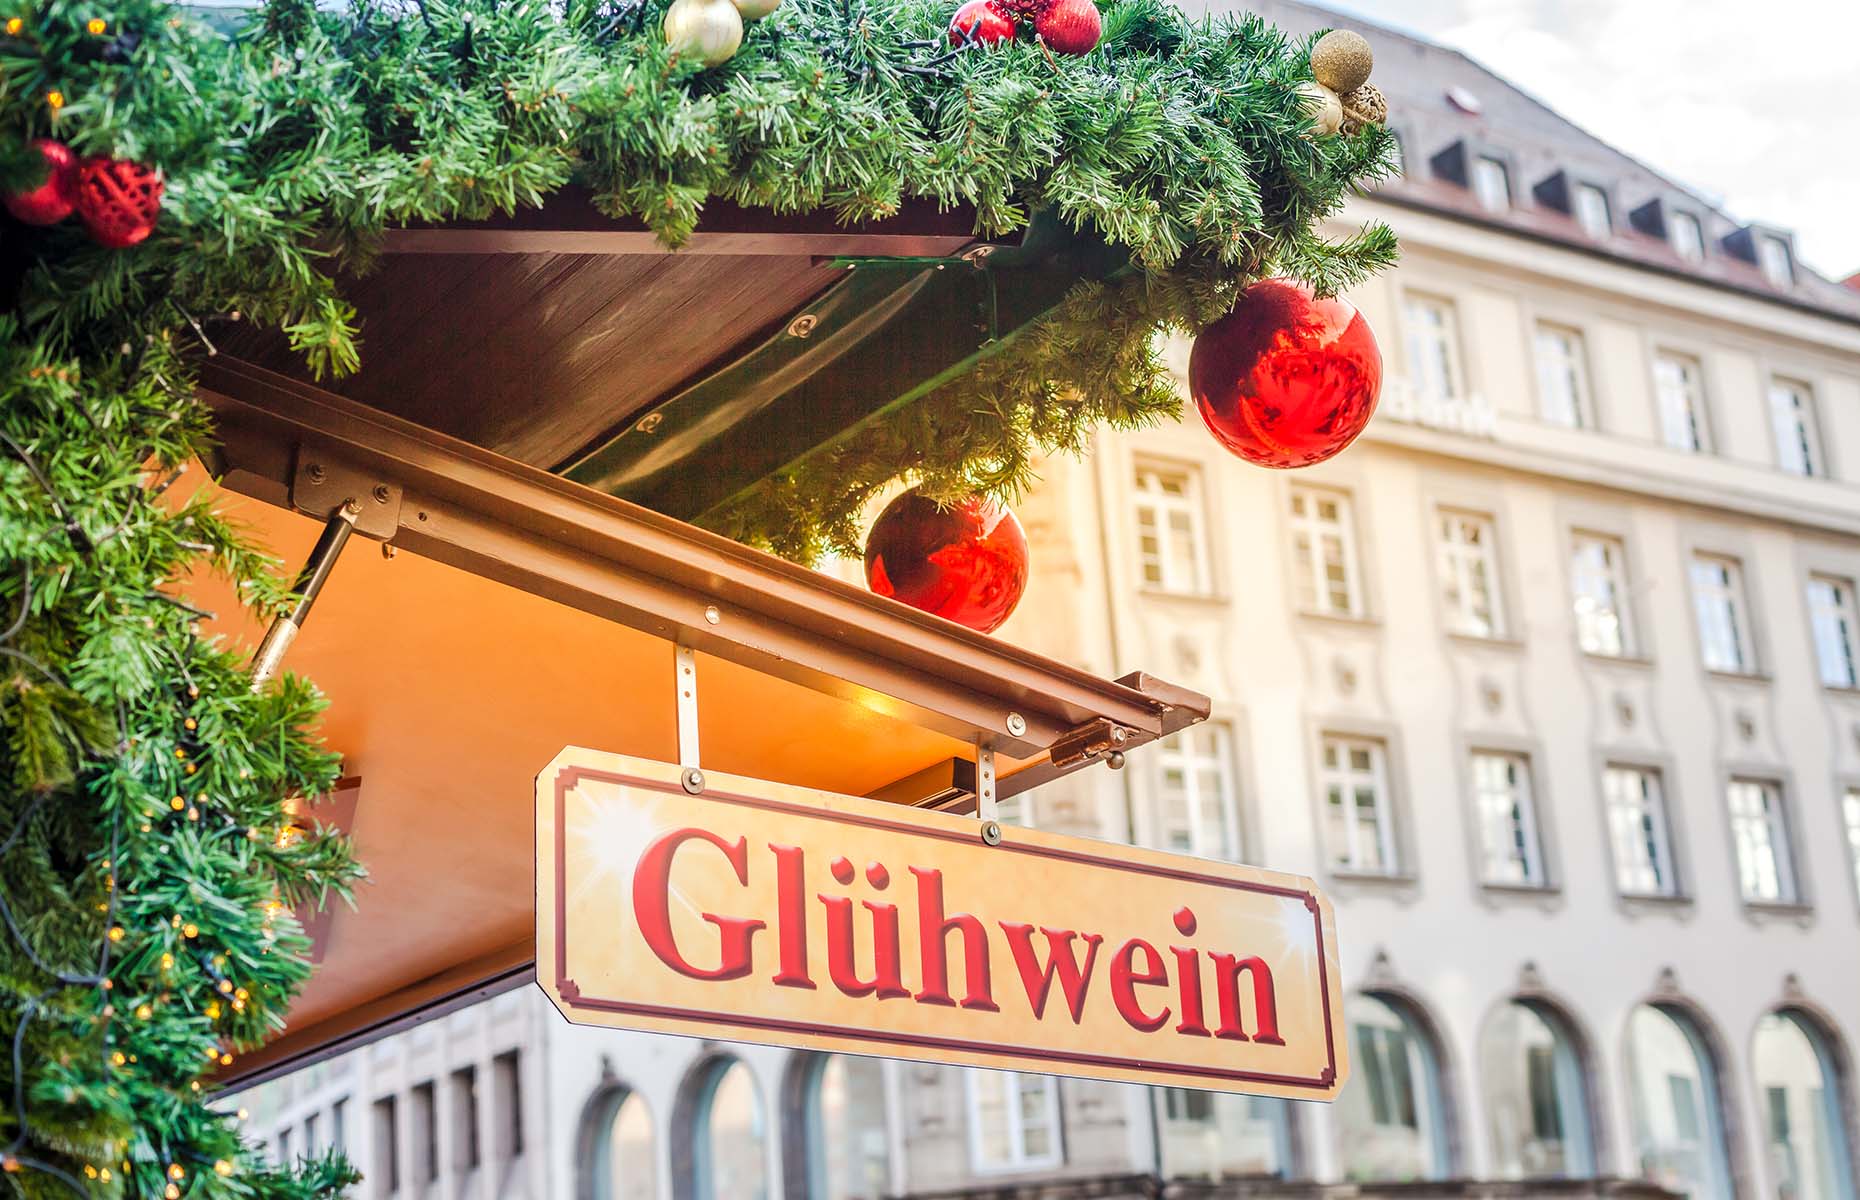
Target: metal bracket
{"x": 684, "y": 664}
{"x": 1096, "y": 737}
{"x": 987, "y": 807}
{"x": 321, "y": 485}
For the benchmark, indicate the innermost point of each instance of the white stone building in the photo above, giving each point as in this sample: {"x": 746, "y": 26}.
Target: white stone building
{"x": 1552, "y": 682}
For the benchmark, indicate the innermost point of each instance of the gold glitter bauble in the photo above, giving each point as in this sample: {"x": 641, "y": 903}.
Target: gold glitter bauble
{"x": 1364, "y": 106}
{"x": 1323, "y": 107}
{"x": 1341, "y": 60}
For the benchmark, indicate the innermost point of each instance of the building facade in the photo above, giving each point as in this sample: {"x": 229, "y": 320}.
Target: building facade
{"x": 1552, "y": 682}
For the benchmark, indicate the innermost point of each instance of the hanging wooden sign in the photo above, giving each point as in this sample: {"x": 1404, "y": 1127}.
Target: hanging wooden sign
{"x": 761, "y": 912}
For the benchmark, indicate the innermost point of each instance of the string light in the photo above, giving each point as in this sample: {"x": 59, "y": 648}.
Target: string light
{"x": 14, "y": 25}
{"x": 223, "y": 1167}
{"x": 190, "y": 930}
{"x": 55, "y": 99}
{"x": 177, "y": 804}
{"x": 171, "y": 1192}
{"x": 96, "y": 25}
{"x": 213, "y": 1010}
{"x": 177, "y": 1172}
{"x": 167, "y": 962}
{"x": 144, "y": 1012}
{"x": 116, "y": 933}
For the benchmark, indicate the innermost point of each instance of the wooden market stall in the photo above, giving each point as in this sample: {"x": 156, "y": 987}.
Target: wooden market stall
{"x": 522, "y": 610}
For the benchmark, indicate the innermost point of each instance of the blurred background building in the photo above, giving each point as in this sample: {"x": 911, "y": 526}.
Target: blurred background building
{"x": 1552, "y": 682}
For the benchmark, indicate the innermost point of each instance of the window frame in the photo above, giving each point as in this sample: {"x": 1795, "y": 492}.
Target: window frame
{"x": 1805, "y": 433}
{"x": 1582, "y": 188}
{"x": 1487, "y": 166}
{"x": 1621, "y": 583}
{"x": 1222, "y": 757}
{"x": 1692, "y": 250}
{"x": 1697, "y": 400}
{"x": 1779, "y": 271}
{"x": 1381, "y": 776}
{"x": 1848, "y": 810}
{"x": 1659, "y": 816}
{"x": 1525, "y": 818}
{"x": 1453, "y": 358}
{"x": 1159, "y": 505}
{"x": 1576, "y": 367}
{"x": 1018, "y": 1159}
{"x": 1455, "y": 560}
{"x": 1310, "y": 565}
{"x": 1738, "y": 618}
{"x": 1779, "y": 834}
{"x": 1841, "y": 619}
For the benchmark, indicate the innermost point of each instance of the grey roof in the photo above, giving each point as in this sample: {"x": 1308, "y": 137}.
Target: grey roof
{"x": 1536, "y": 143}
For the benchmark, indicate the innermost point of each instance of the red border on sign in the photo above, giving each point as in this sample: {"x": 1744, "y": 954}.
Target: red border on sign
{"x": 570, "y": 992}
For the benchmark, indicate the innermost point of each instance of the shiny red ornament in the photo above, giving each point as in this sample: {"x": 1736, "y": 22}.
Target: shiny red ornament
{"x": 118, "y": 200}
{"x": 1286, "y": 379}
{"x": 1069, "y": 26}
{"x": 53, "y": 200}
{"x": 966, "y": 563}
{"x": 980, "y": 21}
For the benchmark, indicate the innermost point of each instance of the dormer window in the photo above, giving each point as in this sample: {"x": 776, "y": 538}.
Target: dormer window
{"x": 1591, "y": 211}
{"x": 1491, "y": 183}
{"x": 1774, "y": 258}
{"x": 1686, "y": 235}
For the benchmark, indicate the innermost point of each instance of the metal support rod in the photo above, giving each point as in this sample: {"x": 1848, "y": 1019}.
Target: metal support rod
{"x": 684, "y": 662}
{"x": 986, "y": 806}
{"x": 310, "y": 581}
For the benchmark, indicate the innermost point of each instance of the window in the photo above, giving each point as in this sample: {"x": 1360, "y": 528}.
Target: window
{"x": 1013, "y": 1120}
{"x": 1718, "y": 599}
{"x": 1563, "y": 378}
{"x": 1171, "y": 545}
{"x": 1850, "y": 814}
{"x": 1433, "y": 344}
{"x": 1686, "y": 235}
{"x": 1802, "y": 1109}
{"x": 284, "y": 1147}
{"x": 1591, "y": 208}
{"x": 311, "y": 1132}
{"x": 1798, "y": 431}
{"x": 1195, "y": 811}
{"x": 1760, "y": 834}
{"x": 1679, "y": 387}
{"x": 848, "y": 1154}
{"x": 464, "y": 1088}
{"x": 1324, "y": 553}
{"x": 1389, "y": 1115}
{"x": 387, "y": 1145}
{"x": 339, "y": 1126}
{"x": 1357, "y": 824}
{"x": 1831, "y": 615}
{"x": 425, "y": 1134}
{"x": 1775, "y": 260}
{"x": 1491, "y": 183}
{"x": 625, "y": 1162}
{"x": 1398, "y": 155}
{"x": 1598, "y": 579}
{"x": 1638, "y": 831}
{"x": 1509, "y": 851}
{"x": 731, "y": 1136}
{"x": 1469, "y": 574}
{"x": 1678, "y": 1124}
{"x": 1211, "y": 1135}
{"x": 507, "y": 1105}
{"x": 1535, "y": 1094}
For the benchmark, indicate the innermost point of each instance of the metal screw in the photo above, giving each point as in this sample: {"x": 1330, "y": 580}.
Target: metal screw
{"x": 693, "y": 780}
{"x": 976, "y": 254}
{"x": 422, "y": 516}
{"x": 649, "y": 422}
{"x": 1016, "y": 724}
{"x": 991, "y": 832}
{"x": 803, "y": 325}
{"x": 389, "y": 549}
{"x": 1115, "y": 760}
{"x": 351, "y": 507}
{"x": 711, "y": 614}
{"x": 382, "y": 495}
{"x": 1119, "y": 735}
{"x": 315, "y": 473}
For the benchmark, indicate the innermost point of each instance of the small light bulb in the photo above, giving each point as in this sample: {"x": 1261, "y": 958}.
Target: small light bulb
{"x": 116, "y": 933}
{"x": 171, "y": 1192}
{"x": 190, "y": 930}
{"x": 177, "y": 804}
{"x": 223, "y": 1167}
{"x": 226, "y": 986}
{"x": 119, "y": 1058}
{"x": 225, "y": 1060}
{"x": 190, "y": 723}
{"x": 14, "y": 25}
{"x": 213, "y": 1011}
{"x": 96, "y": 25}
{"x": 167, "y": 962}
{"x": 144, "y": 1012}
{"x": 55, "y": 98}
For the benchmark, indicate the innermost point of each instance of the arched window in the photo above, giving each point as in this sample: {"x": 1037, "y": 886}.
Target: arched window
{"x": 623, "y": 1161}
{"x": 729, "y": 1139}
{"x": 1798, "y": 1089}
{"x": 848, "y": 1146}
{"x": 1391, "y": 1114}
{"x": 1216, "y": 1135}
{"x": 1678, "y": 1117}
{"x": 1535, "y": 1093}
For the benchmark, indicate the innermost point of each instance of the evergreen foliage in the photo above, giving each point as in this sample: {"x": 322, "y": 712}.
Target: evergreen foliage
{"x": 288, "y": 145}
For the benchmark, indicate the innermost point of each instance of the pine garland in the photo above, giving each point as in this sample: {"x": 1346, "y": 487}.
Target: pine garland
{"x": 289, "y": 141}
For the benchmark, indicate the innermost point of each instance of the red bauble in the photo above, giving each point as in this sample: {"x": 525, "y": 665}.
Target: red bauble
{"x": 966, "y": 563}
{"x": 1069, "y": 26}
{"x": 980, "y": 21}
{"x": 118, "y": 200}
{"x": 53, "y": 200}
{"x": 1286, "y": 379}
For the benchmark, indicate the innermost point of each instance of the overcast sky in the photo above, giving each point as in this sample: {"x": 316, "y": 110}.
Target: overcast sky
{"x": 1754, "y": 105}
